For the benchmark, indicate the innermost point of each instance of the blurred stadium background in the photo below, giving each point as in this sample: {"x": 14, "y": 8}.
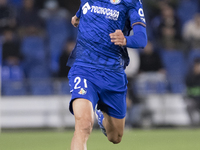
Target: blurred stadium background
{"x": 36, "y": 38}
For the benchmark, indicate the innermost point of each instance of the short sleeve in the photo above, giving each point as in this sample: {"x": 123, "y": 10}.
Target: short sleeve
{"x": 78, "y": 13}
{"x": 136, "y": 13}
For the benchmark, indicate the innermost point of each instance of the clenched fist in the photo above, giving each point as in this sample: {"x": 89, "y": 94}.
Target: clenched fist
{"x": 75, "y": 21}
{"x": 118, "y": 38}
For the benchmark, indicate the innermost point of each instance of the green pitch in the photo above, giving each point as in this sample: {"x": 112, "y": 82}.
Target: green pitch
{"x": 169, "y": 139}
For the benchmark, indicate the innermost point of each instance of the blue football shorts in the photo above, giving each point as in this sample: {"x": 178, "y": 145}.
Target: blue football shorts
{"x": 105, "y": 88}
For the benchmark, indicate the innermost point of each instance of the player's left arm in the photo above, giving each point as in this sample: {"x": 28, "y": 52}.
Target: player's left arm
{"x": 138, "y": 24}
{"x": 138, "y": 39}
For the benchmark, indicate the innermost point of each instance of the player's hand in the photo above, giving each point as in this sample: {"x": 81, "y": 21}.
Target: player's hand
{"x": 75, "y": 21}
{"x": 118, "y": 38}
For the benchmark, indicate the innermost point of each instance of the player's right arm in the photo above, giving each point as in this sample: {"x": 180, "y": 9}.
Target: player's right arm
{"x": 75, "y": 19}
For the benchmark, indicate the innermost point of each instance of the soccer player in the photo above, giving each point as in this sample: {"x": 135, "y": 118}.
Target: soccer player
{"x": 97, "y": 63}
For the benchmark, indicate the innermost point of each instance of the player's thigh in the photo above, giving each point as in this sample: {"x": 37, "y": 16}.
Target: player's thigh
{"x": 81, "y": 86}
{"x": 114, "y": 125}
{"x": 83, "y": 113}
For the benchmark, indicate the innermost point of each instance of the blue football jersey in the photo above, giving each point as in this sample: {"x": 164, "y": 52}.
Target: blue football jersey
{"x": 99, "y": 18}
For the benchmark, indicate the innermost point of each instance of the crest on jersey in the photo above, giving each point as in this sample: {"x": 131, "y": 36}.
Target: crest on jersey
{"x": 115, "y": 1}
{"x": 82, "y": 91}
